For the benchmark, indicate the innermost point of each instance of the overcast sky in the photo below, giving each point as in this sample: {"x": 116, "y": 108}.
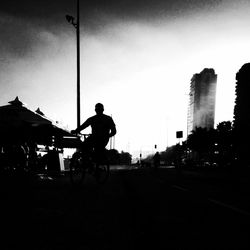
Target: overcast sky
{"x": 137, "y": 58}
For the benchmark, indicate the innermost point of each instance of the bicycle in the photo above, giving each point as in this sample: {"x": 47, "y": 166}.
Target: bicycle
{"x": 94, "y": 163}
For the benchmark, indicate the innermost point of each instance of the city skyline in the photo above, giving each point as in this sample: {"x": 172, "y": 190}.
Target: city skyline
{"x": 138, "y": 62}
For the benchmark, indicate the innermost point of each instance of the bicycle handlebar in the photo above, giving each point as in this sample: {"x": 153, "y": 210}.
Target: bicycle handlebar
{"x": 84, "y": 135}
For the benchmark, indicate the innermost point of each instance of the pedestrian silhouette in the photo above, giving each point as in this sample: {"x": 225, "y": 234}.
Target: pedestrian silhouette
{"x": 156, "y": 160}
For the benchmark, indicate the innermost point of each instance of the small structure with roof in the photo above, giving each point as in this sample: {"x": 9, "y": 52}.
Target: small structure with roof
{"x": 22, "y": 128}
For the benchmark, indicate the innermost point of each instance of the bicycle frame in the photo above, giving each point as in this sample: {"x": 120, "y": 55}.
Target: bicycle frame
{"x": 94, "y": 163}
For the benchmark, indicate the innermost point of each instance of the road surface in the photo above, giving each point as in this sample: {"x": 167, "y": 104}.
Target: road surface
{"x": 135, "y": 209}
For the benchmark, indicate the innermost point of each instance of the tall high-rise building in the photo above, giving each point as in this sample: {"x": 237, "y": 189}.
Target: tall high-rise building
{"x": 241, "y": 124}
{"x": 202, "y": 94}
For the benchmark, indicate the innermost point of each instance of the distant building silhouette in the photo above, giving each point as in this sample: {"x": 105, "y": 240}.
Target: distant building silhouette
{"x": 241, "y": 123}
{"x": 202, "y": 100}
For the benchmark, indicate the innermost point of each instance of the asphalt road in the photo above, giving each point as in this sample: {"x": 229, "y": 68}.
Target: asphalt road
{"x": 135, "y": 209}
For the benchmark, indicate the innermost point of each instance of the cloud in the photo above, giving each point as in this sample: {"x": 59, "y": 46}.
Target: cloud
{"x": 22, "y": 38}
{"x": 22, "y": 22}
{"x": 17, "y": 39}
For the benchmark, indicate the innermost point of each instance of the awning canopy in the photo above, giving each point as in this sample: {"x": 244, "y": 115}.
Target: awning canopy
{"x": 16, "y": 114}
{"x": 18, "y": 123}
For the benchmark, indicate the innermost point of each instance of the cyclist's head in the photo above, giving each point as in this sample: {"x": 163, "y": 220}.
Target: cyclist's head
{"x": 99, "y": 108}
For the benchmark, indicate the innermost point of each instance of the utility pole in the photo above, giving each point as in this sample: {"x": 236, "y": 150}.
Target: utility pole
{"x": 76, "y": 24}
{"x": 78, "y": 64}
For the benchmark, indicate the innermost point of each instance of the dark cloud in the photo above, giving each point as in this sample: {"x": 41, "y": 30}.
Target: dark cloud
{"x": 120, "y": 8}
{"x": 36, "y": 9}
{"x": 21, "y": 21}
{"x": 20, "y": 37}
{"x": 97, "y": 13}
{"x": 146, "y": 7}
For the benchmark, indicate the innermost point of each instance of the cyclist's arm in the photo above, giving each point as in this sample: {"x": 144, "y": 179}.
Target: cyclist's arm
{"x": 112, "y": 130}
{"x": 83, "y": 126}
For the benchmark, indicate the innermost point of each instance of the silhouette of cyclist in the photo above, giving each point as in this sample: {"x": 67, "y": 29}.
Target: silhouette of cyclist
{"x": 103, "y": 127}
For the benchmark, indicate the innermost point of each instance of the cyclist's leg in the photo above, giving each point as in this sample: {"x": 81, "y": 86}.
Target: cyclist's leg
{"x": 87, "y": 153}
{"x": 101, "y": 162}
{"x": 87, "y": 146}
{"x": 100, "y": 149}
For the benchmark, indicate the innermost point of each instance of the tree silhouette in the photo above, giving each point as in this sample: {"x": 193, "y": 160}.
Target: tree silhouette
{"x": 202, "y": 141}
{"x": 125, "y": 158}
{"x": 115, "y": 157}
{"x": 224, "y": 143}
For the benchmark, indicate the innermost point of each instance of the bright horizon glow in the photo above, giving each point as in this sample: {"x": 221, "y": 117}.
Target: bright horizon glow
{"x": 140, "y": 71}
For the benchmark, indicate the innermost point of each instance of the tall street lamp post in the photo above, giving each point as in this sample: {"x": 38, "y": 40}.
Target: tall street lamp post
{"x": 76, "y": 24}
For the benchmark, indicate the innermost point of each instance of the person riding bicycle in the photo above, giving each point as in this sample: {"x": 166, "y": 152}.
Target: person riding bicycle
{"x": 103, "y": 127}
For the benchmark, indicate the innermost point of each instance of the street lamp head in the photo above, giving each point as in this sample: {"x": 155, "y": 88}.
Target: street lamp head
{"x": 70, "y": 19}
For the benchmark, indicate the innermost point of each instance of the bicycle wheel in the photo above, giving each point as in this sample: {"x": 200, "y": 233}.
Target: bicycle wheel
{"x": 102, "y": 172}
{"x": 77, "y": 170}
